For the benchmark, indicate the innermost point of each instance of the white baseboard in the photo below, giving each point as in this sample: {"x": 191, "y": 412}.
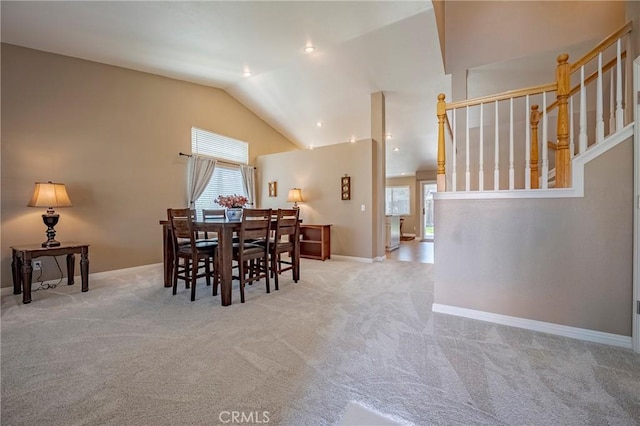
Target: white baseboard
{"x": 353, "y": 258}
{"x": 541, "y": 326}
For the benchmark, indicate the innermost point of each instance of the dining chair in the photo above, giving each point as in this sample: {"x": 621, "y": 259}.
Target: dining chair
{"x": 251, "y": 252}
{"x": 285, "y": 241}
{"x": 195, "y": 254}
{"x": 212, "y": 214}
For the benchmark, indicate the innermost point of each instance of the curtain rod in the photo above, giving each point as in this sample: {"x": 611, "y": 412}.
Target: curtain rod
{"x": 220, "y": 161}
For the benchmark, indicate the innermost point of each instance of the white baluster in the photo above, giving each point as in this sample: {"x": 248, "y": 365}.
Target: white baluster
{"x": 599, "y": 114}
{"x": 583, "y": 113}
{"x": 527, "y": 145}
{"x": 455, "y": 155}
{"x": 572, "y": 147}
{"x": 496, "y": 170}
{"x": 544, "y": 176}
{"x": 511, "y": 169}
{"x": 619, "y": 111}
{"x": 612, "y": 105}
{"x": 481, "y": 171}
{"x": 467, "y": 173}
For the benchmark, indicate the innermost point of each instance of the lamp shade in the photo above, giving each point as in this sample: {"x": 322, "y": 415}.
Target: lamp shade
{"x": 295, "y": 195}
{"x": 49, "y": 194}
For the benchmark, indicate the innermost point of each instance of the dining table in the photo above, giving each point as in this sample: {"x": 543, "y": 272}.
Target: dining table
{"x": 225, "y": 230}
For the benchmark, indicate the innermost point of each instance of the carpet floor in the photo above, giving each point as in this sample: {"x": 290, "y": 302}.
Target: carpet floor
{"x": 129, "y": 353}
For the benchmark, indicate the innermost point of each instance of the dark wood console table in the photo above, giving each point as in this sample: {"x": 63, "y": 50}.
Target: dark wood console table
{"x": 22, "y": 268}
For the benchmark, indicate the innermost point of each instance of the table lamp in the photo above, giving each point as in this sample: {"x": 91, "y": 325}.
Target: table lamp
{"x": 295, "y": 197}
{"x": 50, "y": 195}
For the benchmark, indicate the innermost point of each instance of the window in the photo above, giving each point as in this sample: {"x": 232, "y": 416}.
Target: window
{"x": 226, "y": 179}
{"x": 397, "y": 200}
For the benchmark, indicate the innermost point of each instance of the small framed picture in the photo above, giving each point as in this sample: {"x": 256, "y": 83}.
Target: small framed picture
{"x": 345, "y": 183}
{"x": 273, "y": 189}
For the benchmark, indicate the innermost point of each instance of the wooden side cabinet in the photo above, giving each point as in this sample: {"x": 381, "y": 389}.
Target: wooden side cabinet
{"x": 315, "y": 241}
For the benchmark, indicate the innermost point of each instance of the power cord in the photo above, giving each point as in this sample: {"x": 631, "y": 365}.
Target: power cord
{"x": 47, "y": 286}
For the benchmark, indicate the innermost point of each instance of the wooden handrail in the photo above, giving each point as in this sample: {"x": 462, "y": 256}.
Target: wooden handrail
{"x": 590, "y": 79}
{"x": 602, "y": 46}
{"x": 550, "y": 87}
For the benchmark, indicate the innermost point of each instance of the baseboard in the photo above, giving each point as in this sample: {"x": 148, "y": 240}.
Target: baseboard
{"x": 353, "y": 258}
{"x": 541, "y": 326}
{"x": 5, "y": 291}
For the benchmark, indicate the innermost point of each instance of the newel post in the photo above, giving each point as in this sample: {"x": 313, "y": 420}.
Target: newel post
{"x": 441, "y": 111}
{"x": 563, "y": 156}
{"x": 535, "y": 174}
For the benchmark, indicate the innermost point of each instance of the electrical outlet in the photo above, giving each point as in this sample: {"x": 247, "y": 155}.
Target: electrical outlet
{"x": 37, "y": 265}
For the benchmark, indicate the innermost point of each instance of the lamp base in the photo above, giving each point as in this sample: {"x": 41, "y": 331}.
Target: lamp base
{"x": 51, "y": 220}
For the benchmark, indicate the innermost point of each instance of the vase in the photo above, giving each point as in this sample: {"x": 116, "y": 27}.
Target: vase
{"x": 234, "y": 214}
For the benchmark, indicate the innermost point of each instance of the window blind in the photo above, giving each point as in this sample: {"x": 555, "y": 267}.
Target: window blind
{"x": 226, "y": 178}
{"x": 218, "y": 146}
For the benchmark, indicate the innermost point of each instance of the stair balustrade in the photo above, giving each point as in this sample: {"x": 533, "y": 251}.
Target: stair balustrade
{"x": 518, "y": 112}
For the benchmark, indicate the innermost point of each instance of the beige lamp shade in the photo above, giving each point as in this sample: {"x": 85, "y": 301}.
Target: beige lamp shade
{"x": 49, "y": 194}
{"x": 295, "y": 196}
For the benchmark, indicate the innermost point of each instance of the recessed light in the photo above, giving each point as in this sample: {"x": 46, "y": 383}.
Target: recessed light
{"x": 396, "y": 149}
{"x": 310, "y": 146}
{"x": 309, "y": 48}
{"x": 388, "y": 136}
{"x": 319, "y": 123}
{"x": 353, "y": 139}
{"x": 247, "y": 73}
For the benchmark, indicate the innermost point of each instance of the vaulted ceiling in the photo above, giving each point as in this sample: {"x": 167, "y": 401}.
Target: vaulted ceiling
{"x": 361, "y": 47}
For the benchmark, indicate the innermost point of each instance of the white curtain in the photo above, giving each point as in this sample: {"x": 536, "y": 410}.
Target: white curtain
{"x": 199, "y": 172}
{"x": 248, "y": 183}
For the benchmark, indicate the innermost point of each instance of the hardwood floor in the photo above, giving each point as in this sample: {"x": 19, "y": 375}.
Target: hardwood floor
{"x": 413, "y": 251}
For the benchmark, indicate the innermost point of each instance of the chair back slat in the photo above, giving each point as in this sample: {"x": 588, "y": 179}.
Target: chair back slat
{"x": 212, "y": 214}
{"x": 287, "y": 224}
{"x": 256, "y": 224}
{"x": 208, "y": 214}
{"x": 181, "y": 222}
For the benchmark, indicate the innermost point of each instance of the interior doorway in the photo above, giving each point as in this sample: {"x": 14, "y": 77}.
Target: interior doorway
{"x": 427, "y": 221}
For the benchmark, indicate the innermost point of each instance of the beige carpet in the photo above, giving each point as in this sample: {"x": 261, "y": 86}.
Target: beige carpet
{"x": 129, "y": 353}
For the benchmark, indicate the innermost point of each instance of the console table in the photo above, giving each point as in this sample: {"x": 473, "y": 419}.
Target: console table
{"x": 22, "y": 268}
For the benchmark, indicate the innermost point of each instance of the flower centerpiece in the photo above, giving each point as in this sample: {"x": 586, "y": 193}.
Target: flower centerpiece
{"x": 234, "y": 205}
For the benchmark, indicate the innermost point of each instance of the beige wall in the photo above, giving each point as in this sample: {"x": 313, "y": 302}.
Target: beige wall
{"x": 113, "y": 136}
{"x": 318, "y": 172}
{"x": 475, "y": 30}
{"x": 563, "y": 261}
{"x": 478, "y": 33}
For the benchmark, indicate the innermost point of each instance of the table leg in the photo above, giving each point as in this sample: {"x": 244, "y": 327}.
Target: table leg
{"x": 71, "y": 267}
{"x": 16, "y": 270}
{"x": 296, "y": 260}
{"x": 84, "y": 268}
{"x": 225, "y": 247}
{"x": 26, "y": 277}
{"x": 167, "y": 247}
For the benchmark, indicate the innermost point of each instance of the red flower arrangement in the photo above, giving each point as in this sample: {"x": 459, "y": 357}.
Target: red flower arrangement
{"x": 232, "y": 201}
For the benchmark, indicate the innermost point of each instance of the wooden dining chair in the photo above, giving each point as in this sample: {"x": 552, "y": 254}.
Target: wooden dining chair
{"x": 212, "y": 214}
{"x": 251, "y": 251}
{"x": 285, "y": 241}
{"x": 195, "y": 255}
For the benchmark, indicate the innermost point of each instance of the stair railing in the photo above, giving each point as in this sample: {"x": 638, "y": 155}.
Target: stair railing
{"x": 536, "y": 171}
